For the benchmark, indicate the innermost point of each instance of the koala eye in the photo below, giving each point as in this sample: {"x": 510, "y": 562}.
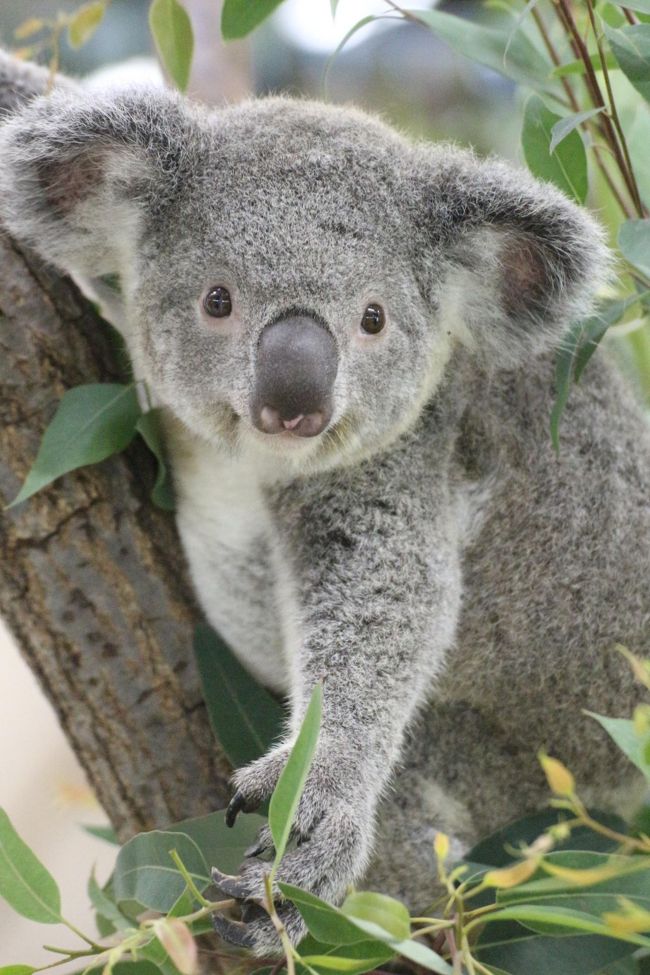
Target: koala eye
{"x": 373, "y": 319}
{"x": 217, "y": 302}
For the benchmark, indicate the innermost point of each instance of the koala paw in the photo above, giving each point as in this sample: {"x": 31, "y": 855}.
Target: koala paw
{"x": 333, "y": 830}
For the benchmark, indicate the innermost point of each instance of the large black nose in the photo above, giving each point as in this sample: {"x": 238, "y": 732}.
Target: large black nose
{"x": 294, "y": 377}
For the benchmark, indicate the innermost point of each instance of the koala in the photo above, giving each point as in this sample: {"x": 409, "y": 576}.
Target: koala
{"x": 351, "y": 337}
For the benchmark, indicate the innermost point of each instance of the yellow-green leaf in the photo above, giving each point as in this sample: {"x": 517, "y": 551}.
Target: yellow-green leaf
{"x": 558, "y": 776}
{"x": 172, "y": 32}
{"x": 85, "y": 22}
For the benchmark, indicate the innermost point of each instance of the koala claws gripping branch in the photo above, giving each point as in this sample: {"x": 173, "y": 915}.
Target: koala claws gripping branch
{"x": 356, "y": 416}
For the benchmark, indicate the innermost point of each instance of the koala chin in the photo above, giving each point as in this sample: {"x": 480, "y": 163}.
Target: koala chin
{"x": 352, "y": 338}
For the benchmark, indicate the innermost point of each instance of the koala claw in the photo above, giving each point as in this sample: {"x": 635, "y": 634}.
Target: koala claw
{"x": 234, "y": 932}
{"x": 232, "y": 886}
{"x": 236, "y": 805}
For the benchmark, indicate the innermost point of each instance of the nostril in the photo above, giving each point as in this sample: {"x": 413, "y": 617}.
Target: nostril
{"x": 292, "y": 424}
{"x": 270, "y": 420}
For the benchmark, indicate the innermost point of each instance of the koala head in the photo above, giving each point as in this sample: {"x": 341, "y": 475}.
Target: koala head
{"x": 296, "y": 275}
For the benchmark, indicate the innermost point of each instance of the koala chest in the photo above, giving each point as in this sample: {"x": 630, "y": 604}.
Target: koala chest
{"x": 227, "y": 533}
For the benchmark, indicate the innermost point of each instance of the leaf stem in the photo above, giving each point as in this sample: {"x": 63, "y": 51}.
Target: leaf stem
{"x": 189, "y": 880}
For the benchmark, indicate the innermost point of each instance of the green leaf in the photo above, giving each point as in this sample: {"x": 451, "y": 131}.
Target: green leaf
{"x": 145, "y": 872}
{"x": 642, "y": 5}
{"x": 244, "y": 717}
{"x": 623, "y": 733}
{"x": 91, "y": 423}
{"x": 324, "y": 922}
{"x": 388, "y": 920}
{"x": 390, "y": 914}
{"x": 578, "y": 346}
{"x": 363, "y": 956}
{"x": 287, "y": 792}
{"x": 631, "y": 881}
{"x": 24, "y": 882}
{"x": 567, "y": 165}
{"x": 104, "y": 906}
{"x": 106, "y": 833}
{"x": 514, "y": 57}
{"x": 172, "y": 32}
{"x": 496, "y": 850}
{"x": 149, "y": 428}
{"x": 543, "y": 919}
{"x": 17, "y": 970}
{"x": 85, "y": 22}
{"x": 565, "y": 126}
{"x": 578, "y": 67}
{"x": 518, "y": 951}
{"x": 218, "y": 843}
{"x": 631, "y": 47}
{"x": 634, "y": 241}
{"x": 338, "y": 963}
{"x": 240, "y": 17}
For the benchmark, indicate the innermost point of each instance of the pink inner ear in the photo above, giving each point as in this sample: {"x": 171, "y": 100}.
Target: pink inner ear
{"x": 66, "y": 183}
{"x": 526, "y": 277}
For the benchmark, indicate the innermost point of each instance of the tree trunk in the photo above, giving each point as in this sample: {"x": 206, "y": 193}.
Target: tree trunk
{"x": 93, "y": 582}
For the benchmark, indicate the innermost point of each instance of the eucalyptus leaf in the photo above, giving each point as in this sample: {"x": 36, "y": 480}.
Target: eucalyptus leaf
{"x": 24, "y": 882}
{"x": 566, "y": 126}
{"x": 149, "y": 428}
{"x": 641, "y": 5}
{"x": 578, "y": 346}
{"x": 567, "y": 165}
{"x": 146, "y": 873}
{"x": 16, "y": 970}
{"x": 357, "y": 958}
{"x": 634, "y": 241}
{"x": 91, "y": 423}
{"x": 515, "y": 57}
{"x": 171, "y": 28}
{"x": 219, "y": 844}
{"x": 518, "y": 951}
{"x": 624, "y": 734}
{"x": 244, "y": 717}
{"x": 287, "y": 793}
{"x": 631, "y": 47}
{"x": 542, "y": 918}
{"x": 85, "y": 22}
{"x": 324, "y": 922}
{"x": 240, "y": 17}
{"x": 389, "y": 913}
{"x": 104, "y": 906}
{"x": 106, "y": 833}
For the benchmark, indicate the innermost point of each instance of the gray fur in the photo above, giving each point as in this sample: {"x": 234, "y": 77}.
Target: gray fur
{"x": 456, "y": 587}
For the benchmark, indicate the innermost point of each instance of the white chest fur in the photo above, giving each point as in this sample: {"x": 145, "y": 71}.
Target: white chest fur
{"x": 227, "y": 533}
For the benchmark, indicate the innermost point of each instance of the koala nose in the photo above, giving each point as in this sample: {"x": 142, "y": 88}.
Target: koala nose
{"x": 295, "y": 371}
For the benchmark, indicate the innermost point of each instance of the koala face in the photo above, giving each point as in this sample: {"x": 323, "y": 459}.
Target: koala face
{"x": 296, "y": 275}
{"x": 278, "y": 304}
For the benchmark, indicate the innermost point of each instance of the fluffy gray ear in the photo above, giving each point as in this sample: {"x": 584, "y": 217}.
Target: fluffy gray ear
{"x": 75, "y": 169}
{"x": 511, "y": 262}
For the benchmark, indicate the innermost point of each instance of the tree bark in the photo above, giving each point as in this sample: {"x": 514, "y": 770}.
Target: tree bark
{"x": 93, "y": 583}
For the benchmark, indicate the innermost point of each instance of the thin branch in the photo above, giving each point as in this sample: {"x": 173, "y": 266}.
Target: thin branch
{"x": 614, "y": 112}
{"x": 575, "y": 105}
{"x": 565, "y": 14}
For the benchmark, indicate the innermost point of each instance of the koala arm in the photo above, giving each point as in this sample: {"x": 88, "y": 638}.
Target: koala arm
{"x": 375, "y": 583}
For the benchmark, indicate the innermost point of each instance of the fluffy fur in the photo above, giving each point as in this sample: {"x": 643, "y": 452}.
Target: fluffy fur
{"x": 456, "y": 587}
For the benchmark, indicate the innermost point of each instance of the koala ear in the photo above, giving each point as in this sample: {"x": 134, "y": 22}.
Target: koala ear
{"x": 511, "y": 262}
{"x": 75, "y": 170}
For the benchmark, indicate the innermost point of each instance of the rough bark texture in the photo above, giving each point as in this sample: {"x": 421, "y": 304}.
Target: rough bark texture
{"x": 92, "y": 578}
